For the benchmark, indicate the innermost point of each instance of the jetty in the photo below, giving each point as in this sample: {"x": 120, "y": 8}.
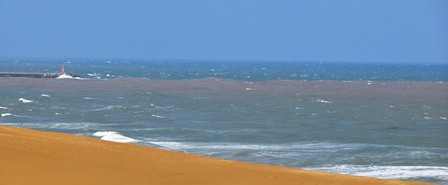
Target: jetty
{"x": 29, "y": 75}
{"x": 37, "y": 75}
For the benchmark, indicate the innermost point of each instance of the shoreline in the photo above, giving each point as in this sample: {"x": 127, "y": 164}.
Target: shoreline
{"x": 38, "y": 157}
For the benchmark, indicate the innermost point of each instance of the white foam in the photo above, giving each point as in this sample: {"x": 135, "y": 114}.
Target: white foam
{"x": 157, "y": 116}
{"x": 96, "y": 75}
{"x": 304, "y": 148}
{"x": 45, "y": 95}
{"x": 25, "y": 100}
{"x": 311, "y": 150}
{"x": 324, "y": 101}
{"x": 110, "y": 107}
{"x": 64, "y": 76}
{"x": 389, "y": 172}
{"x": 115, "y": 137}
{"x": 3, "y": 107}
{"x": 170, "y": 145}
{"x": 224, "y": 146}
{"x": 7, "y": 114}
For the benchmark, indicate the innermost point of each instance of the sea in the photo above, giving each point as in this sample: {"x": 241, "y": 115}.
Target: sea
{"x": 382, "y": 120}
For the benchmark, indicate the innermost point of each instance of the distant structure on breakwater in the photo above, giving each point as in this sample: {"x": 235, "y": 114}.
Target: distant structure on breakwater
{"x": 37, "y": 75}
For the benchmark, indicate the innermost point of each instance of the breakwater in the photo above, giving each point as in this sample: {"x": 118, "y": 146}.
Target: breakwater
{"x": 29, "y": 75}
{"x": 33, "y": 75}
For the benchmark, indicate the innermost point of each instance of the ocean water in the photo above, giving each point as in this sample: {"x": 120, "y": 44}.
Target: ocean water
{"x": 384, "y": 120}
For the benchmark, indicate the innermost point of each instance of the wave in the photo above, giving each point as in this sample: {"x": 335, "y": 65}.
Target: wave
{"x": 310, "y": 147}
{"x": 333, "y": 154}
{"x": 389, "y": 172}
{"x": 90, "y": 98}
{"x": 110, "y": 107}
{"x": 65, "y": 76}
{"x": 157, "y": 116}
{"x": 8, "y": 114}
{"x": 25, "y": 100}
{"x": 114, "y": 136}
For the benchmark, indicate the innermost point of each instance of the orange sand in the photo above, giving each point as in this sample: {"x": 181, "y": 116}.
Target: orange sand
{"x": 36, "y": 157}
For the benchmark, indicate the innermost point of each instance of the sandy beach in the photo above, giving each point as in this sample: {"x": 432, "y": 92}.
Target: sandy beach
{"x": 36, "y": 157}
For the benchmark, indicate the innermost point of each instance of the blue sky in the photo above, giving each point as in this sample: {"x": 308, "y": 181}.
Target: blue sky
{"x": 283, "y": 30}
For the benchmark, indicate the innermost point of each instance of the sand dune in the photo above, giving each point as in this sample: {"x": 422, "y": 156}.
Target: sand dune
{"x": 36, "y": 157}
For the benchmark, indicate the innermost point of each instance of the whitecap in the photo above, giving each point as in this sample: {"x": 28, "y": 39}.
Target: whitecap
{"x": 96, "y": 75}
{"x": 324, "y": 101}
{"x": 157, "y": 116}
{"x": 114, "y": 136}
{"x": 25, "y": 100}
{"x": 110, "y": 107}
{"x": 45, "y": 95}
{"x": 3, "y": 107}
{"x": 7, "y": 114}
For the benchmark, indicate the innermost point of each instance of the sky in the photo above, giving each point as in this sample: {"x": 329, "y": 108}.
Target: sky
{"x": 265, "y": 30}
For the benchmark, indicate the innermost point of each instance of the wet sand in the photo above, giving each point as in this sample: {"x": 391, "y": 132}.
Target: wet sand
{"x": 36, "y": 157}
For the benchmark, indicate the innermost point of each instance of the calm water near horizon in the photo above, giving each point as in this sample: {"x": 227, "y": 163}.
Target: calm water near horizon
{"x": 384, "y": 120}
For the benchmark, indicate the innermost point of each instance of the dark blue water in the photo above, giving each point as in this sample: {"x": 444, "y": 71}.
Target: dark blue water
{"x": 237, "y": 70}
{"x": 369, "y": 119}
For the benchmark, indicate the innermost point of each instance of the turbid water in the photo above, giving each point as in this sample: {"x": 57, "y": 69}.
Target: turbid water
{"x": 371, "y": 119}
